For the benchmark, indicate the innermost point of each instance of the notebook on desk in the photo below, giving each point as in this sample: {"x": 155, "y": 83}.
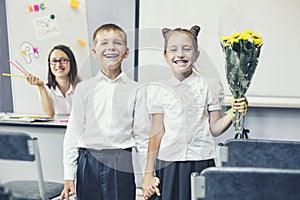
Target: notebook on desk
{"x": 26, "y": 118}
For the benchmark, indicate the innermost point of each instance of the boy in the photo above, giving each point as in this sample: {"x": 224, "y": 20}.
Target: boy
{"x": 108, "y": 118}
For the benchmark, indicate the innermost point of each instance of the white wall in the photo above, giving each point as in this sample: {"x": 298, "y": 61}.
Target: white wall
{"x": 270, "y": 124}
{"x": 277, "y": 73}
{"x": 275, "y": 82}
{"x": 121, "y": 13}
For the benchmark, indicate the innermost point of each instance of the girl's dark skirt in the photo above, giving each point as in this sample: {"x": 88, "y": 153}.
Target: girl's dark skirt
{"x": 105, "y": 174}
{"x": 175, "y": 178}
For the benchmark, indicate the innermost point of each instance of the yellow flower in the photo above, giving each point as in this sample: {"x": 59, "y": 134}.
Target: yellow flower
{"x": 235, "y": 35}
{"x": 245, "y": 36}
{"x": 257, "y": 41}
{"x": 224, "y": 38}
{"x": 233, "y": 40}
{"x": 249, "y": 32}
{"x": 256, "y": 35}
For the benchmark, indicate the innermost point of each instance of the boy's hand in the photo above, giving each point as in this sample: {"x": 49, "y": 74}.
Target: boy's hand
{"x": 69, "y": 190}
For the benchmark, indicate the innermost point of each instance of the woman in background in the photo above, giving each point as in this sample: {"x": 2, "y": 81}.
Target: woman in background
{"x": 56, "y": 95}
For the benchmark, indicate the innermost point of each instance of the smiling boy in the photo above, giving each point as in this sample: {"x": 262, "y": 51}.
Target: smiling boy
{"x": 109, "y": 117}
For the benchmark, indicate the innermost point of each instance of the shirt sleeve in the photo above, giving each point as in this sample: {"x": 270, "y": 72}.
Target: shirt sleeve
{"x": 215, "y": 94}
{"x": 153, "y": 99}
{"x": 141, "y": 127}
{"x": 141, "y": 120}
{"x": 71, "y": 140}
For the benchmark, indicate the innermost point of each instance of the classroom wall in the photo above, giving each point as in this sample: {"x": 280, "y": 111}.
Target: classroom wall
{"x": 270, "y": 124}
{"x": 101, "y": 12}
{"x": 277, "y": 75}
{"x": 276, "y": 81}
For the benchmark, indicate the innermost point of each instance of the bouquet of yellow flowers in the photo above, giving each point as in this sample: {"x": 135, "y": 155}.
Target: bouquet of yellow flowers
{"x": 241, "y": 57}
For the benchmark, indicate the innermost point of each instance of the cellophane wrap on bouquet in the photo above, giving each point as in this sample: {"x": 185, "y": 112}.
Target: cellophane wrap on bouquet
{"x": 241, "y": 58}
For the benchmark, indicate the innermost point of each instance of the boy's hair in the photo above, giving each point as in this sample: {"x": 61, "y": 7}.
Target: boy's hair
{"x": 109, "y": 27}
{"x": 73, "y": 78}
{"x": 193, "y": 33}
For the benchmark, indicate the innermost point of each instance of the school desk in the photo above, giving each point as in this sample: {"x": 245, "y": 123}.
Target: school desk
{"x": 50, "y": 135}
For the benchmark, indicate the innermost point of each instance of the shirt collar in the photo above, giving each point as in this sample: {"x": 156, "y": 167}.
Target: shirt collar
{"x": 58, "y": 92}
{"x": 122, "y": 77}
{"x": 188, "y": 81}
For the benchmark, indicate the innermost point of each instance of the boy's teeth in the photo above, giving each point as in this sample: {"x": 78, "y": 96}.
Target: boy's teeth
{"x": 111, "y": 56}
{"x": 180, "y": 61}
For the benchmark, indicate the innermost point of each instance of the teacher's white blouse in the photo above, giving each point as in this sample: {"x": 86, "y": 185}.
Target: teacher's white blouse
{"x": 62, "y": 104}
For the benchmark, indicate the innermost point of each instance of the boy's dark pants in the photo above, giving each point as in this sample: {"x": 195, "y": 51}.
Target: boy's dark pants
{"x": 105, "y": 175}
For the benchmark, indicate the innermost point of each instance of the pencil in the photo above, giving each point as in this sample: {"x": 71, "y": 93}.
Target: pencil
{"x": 11, "y": 62}
{"x": 13, "y": 75}
{"x": 22, "y": 67}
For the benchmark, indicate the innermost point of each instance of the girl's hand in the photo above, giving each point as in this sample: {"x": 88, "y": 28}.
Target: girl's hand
{"x": 240, "y": 105}
{"x": 150, "y": 185}
{"x": 33, "y": 80}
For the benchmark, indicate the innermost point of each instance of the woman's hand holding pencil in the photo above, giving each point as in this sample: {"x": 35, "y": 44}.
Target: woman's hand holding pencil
{"x": 33, "y": 80}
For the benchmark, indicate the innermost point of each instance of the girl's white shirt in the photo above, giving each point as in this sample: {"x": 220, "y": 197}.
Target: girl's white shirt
{"x": 185, "y": 105}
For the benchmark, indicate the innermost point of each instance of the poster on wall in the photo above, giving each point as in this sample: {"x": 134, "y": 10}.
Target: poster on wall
{"x": 34, "y": 28}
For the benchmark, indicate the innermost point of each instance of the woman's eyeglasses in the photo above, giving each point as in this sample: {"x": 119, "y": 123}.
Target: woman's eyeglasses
{"x": 61, "y": 61}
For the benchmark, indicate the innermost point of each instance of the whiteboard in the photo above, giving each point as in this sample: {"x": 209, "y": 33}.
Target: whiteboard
{"x": 34, "y": 28}
{"x": 276, "y": 82}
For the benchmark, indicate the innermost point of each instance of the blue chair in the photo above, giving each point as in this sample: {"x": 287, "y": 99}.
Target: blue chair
{"x": 16, "y": 146}
{"x": 236, "y": 183}
{"x": 260, "y": 153}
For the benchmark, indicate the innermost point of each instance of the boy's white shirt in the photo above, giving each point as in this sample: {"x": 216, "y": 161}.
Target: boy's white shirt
{"x": 106, "y": 114}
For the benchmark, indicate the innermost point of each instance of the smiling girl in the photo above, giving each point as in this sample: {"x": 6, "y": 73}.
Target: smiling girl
{"x": 186, "y": 115}
{"x": 56, "y": 95}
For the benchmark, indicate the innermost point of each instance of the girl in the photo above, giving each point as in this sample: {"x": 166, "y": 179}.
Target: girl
{"x": 56, "y": 95}
{"x": 186, "y": 114}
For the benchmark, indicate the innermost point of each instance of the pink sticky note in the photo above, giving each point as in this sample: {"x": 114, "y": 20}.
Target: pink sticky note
{"x": 63, "y": 120}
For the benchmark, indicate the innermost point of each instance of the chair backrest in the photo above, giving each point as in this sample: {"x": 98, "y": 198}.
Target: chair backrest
{"x": 260, "y": 153}
{"x": 16, "y": 146}
{"x": 21, "y": 146}
{"x": 235, "y": 183}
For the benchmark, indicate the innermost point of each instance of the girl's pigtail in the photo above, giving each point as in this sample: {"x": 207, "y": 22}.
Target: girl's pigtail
{"x": 165, "y": 32}
{"x": 195, "y": 30}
